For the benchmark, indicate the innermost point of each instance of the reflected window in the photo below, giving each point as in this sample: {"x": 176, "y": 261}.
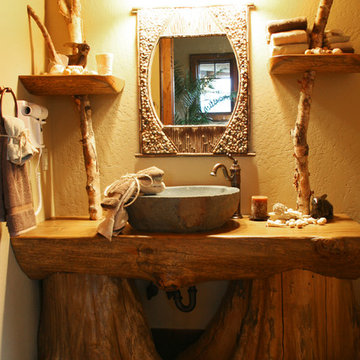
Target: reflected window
{"x": 220, "y": 74}
{"x": 216, "y": 96}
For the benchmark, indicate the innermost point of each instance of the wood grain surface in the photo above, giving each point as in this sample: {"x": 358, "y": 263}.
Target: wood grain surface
{"x": 241, "y": 249}
{"x": 291, "y": 64}
{"x": 72, "y": 84}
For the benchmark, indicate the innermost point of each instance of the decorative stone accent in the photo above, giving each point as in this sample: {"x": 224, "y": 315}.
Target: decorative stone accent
{"x": 153, "y": 23}
{"x": 150, "y": 25}
{"x": 235, "y": 138}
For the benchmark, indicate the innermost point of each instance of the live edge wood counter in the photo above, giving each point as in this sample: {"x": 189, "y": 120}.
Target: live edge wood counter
{"x": 241, "y": 249}
{"x": 90, "y": 309}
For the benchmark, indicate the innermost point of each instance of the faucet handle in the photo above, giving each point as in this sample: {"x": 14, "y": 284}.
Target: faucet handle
{"x": 230, "y": 156}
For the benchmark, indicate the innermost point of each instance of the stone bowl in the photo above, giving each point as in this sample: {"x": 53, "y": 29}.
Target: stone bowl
{"x": 184, "y": 209}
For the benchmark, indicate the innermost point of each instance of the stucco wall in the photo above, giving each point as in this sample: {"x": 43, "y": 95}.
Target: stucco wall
{"x": 333, "y": 134}
{"x": 19, "y": 296}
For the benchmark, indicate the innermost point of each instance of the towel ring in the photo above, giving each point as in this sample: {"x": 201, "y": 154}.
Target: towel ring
{"x": 2, "y": 93}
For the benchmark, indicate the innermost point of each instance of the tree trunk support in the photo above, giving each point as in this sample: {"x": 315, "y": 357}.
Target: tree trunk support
{"x": 92, "y": 317}
{"x": 90, "y": 156}
{"x": 299, "y": 134}
{"x": 294, "y": 315}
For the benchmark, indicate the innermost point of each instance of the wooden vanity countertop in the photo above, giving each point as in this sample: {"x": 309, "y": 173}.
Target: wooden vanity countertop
{"x": 240, "y": 249}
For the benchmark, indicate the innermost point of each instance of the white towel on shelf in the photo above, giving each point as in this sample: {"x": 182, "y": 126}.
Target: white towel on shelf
{"x": 289, "y": 37}
{"x": 341, "y": 45}
{"x": 288, "y": 49}
{"x": 336, "y": 38}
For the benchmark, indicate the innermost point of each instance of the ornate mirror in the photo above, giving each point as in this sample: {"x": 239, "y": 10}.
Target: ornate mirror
{"x": 193, "y": 80}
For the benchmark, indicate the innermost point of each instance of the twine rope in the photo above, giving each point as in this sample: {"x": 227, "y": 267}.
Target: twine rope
{"x": 23, "y": 138}
{"x": 112, "y": 187}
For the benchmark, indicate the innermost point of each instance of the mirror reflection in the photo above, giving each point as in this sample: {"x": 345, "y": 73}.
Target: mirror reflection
{"x": 194, "y": 80}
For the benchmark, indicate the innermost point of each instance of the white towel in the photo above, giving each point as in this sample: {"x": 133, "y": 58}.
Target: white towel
{"x": 19, "y": 147}
{"x": 336, "y": 38}
{"x": 288, "y": 49}
{"x": 289, "y": 37}
{"x": 341, "y": 45}
{"x": 334, "y": 32}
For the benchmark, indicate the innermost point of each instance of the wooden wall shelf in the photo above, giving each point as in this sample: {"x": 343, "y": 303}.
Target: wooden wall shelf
{"x": 291, "y": 64}
{"x": 80, "y": 86}
{"x": 241, "y": 249}
{"x": 72, "y": 84}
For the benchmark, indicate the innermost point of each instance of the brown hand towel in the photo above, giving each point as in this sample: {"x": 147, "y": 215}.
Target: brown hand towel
{"x": 123, "y": 191}
{"x": 16, "y": 207}
{"x": 151, "y": 180}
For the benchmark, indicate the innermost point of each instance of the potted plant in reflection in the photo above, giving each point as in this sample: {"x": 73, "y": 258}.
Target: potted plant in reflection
{"x": 188, "y": 91}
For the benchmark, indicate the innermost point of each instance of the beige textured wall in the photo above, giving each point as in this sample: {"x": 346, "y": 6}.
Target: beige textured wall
{"x": 19, "y": 296}
{"x": 333, "y": 131}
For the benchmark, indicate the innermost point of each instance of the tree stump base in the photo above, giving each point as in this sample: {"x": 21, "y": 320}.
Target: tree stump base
{"x": 92, "y": 317}
{"x": 293, "y": 315}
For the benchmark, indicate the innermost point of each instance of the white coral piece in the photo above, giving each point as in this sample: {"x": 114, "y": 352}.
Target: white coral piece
{"x": 283, "y": 216}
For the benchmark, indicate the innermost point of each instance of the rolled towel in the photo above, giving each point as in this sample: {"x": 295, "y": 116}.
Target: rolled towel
{"x": 123, "y": 192}
{"x": 336, "y": 39}
{"x": 151, "y": 180}
{"x": 289, "y": 37}
{"x": 289, "y": 49}
{"x": 345, "y": 47}
{"x": 276, "y": 26}
{"x": 19, "y": 146}
{"x": 347, "y": 50}
{"x": 333, "y": 32}
{"x": 341, "y": 45}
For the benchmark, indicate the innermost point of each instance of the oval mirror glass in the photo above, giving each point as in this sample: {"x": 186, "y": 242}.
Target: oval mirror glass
{"x": 194, "y": 80}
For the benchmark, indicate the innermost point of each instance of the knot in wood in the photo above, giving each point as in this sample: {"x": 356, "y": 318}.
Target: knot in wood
{"x": 330, "y": 248}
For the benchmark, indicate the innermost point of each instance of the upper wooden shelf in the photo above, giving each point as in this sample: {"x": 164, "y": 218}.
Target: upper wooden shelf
{"x": 72, "y": 84}
{"x": 240, "y": 249}
{"x": 291, "y": 64}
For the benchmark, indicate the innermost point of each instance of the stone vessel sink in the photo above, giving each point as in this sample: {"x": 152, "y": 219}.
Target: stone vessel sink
{"x": 184, "y": 209}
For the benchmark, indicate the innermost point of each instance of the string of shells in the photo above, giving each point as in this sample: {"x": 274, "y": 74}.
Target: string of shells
{"x": 150, "y": 26}
{"x": 235, "y": 138}
{"x": 152, "y": 23}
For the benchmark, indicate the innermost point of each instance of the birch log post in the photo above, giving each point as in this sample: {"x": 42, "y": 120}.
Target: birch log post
{"x": 90, "y": 156}
{"x": 71, "y": 11}
{"x": 299, "y": 134}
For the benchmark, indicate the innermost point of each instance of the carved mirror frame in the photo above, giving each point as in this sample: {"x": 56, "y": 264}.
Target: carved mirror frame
{"x": 157, "y": 139}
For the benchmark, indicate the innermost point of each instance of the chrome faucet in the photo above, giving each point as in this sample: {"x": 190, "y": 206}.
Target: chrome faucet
{"x": 234, "y": 177}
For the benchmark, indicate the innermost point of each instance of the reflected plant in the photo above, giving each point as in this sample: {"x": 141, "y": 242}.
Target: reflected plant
{"x": 187, "y": 98}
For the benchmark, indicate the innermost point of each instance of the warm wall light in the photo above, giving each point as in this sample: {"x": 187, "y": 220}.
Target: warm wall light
{"x": 189, "y": 3}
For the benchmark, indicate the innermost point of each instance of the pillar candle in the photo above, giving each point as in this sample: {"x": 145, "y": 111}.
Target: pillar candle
{"x": 259, "y": 207}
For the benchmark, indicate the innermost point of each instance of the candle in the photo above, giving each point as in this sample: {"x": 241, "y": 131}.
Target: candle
{"x": 259, "y": 207}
